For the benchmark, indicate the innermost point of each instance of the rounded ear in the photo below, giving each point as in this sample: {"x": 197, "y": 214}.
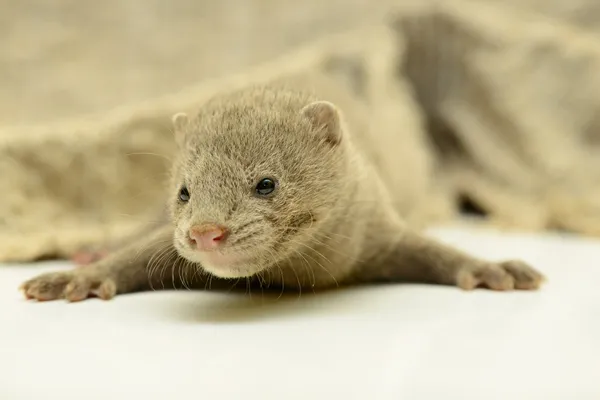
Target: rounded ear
{"x": 325, "y": 117}
{"x": 179, "y": 121}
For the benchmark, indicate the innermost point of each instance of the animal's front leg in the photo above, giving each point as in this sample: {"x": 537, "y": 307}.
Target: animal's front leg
{"x": 416, "y": 258}
{"x": 149, "y": 263}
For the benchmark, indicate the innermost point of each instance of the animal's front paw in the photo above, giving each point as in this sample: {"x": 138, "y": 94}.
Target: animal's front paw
{"x": 73, "y": 285}
{"x": 507, "y": 275}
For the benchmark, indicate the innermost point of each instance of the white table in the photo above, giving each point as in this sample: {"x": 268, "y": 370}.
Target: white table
{"x": 395, "y": 342}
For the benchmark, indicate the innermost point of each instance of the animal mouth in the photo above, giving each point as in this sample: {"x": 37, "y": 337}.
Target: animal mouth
{"x": 220, "y": 260}
{"x": 226, "y": 260}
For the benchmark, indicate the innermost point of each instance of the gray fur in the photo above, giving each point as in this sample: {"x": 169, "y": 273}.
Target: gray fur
{"x": 330, "y": 222}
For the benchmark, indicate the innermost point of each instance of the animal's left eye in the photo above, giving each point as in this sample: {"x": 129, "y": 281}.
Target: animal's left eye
{"x": 266, "y": 186}
{"x": 184, "y": 195}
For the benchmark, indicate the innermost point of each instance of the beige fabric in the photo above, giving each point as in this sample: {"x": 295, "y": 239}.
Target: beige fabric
{"x": 491, "y": 100}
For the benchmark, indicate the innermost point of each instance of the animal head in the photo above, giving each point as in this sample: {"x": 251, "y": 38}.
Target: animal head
{"x": 257, "y": 173}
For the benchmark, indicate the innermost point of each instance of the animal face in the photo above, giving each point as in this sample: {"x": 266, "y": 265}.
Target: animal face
{"x": 253, "y": 180}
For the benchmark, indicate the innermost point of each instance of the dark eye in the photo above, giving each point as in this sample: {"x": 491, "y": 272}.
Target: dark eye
{"x": 265, "y": 187}
{"x": 184, "y": 195}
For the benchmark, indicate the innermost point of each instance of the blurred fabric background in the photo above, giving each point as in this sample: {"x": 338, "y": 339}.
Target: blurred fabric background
{"x": 69, "y": 57}
{"x": 494, "y": 102}
{"x": 61, "y": 58}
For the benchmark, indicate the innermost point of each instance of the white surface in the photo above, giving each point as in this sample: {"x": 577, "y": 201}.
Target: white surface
{"x": 397, "y": 342}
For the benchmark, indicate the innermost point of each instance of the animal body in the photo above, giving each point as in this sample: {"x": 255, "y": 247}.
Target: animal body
{"x": 280, "y": 186}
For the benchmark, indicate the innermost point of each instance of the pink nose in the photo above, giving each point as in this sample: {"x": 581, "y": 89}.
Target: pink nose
{"x": 208, "y": 236}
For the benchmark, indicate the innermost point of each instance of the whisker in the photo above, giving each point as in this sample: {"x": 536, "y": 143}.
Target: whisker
{"x": 188, "y": 270}
{"x": 183, "y": 272}
{"x": 247, "y": 224}
{"x": 262, "y": 293}
{"x": 314, "y": 250}
{"x": 312, "y": 219}
{"x": 207, "y": 281}
{"x": 152, "y": 264}
{"x": 243, "y": 238}
{"x": 282, "y": 281}
{"x": 159, "y": 265}
{"x": 324, "y": 269}
{"x": 147, "y": 246}
{"x": 328, "y": 233}
{"x": 234, "y": 284}
{"x": 291, "y": 266}
{"x": 308, "y": 268}
{"x": 178, "y": 274}
{"x": 164, "y": 261}
{"x": 333, "y": 249}
{"x": 198, "y": 270}
{"x": 276, "y": 263}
